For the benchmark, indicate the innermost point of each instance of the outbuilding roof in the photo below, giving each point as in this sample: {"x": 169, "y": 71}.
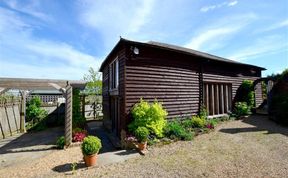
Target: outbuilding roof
{"x": 177, "y": 49}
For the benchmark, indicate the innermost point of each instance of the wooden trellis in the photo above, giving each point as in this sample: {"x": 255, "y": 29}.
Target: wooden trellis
{"x": 26, "y": 85}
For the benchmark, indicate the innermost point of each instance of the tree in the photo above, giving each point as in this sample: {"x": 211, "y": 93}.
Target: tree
{"x": 94, "y": 82}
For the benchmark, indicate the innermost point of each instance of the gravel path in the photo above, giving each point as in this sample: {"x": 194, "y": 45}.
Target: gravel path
{"x": 253, "y": 147}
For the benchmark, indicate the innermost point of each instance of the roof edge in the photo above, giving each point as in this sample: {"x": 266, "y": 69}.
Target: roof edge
{"x": 212, "y": 57}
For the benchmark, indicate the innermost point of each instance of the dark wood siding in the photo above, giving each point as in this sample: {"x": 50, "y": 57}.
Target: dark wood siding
{"x": 165, "y": 78}
{"x": 170, "y": 77}
{"x": 106, "y": 94}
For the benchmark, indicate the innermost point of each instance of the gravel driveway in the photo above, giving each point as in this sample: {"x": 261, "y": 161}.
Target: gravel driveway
{"x": 253, "y": 147}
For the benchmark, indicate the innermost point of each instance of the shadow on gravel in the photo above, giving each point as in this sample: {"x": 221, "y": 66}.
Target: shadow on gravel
{"x": 65, "y": 168}
{"x": 260, "y": 123}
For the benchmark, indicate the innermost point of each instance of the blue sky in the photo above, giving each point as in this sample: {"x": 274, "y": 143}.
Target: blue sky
{"x": 62, "y": 38}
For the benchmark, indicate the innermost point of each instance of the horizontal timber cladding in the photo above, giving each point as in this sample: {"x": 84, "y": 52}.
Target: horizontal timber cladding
{"x": 176, "y": 86}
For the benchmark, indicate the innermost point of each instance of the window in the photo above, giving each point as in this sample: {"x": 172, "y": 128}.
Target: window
{"x": 217, "y": 97}
{"x": 114, "y": 74}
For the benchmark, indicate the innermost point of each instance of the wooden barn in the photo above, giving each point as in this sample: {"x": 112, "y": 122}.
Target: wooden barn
{"x": 182, "y": 79}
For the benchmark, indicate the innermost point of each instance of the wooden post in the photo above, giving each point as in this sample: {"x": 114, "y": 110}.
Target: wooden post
{"x": 217, "y": 99}
{"x": 68, "y": 115}
{"x": 226, "y": 96}
{"x": 83, "y": 105}
{"x": 207, "y": 98}
{"x": 212, "y": 99}
{"x": 222, "y": 99}
{"x": 23, "y": 111}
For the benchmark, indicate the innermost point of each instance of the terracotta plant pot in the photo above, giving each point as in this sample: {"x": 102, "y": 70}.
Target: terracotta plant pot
{"x": 142, "y": 146}
{"x": 90, "y": 160}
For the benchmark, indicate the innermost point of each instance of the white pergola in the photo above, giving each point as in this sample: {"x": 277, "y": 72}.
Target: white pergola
{"x": 27, "y": 84}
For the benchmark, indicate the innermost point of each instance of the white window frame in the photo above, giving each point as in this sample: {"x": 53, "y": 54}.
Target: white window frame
{"x": 114, "y": 69}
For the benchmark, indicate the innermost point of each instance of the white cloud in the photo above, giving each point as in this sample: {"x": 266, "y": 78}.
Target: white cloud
{"x": 60, "y": 51}
{"x": 213, "y": 35}
{"x": 261, "y": 47}
{"x": 233, "y": 3}
{"x": 22, "y": 70}
{"x": 216, "y": 6}
{"x": 275, "y": 26}
{"x": 33, "y": 57}
{"x": 115, "y": 18}
{"x": 31, "y": 8}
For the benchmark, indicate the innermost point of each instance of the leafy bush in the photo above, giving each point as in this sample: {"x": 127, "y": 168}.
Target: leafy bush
{"x": 279, "y": 108}
{"x": 152, "y": 116}
{"x": 174, "y": 130}
{"x": 187, "y": 123}
{"x": 246, "y": 93}
{"x": 142, "y": 133}
{"x": 35, "y": 116}
{"x": 241, "y": 109}
{"x": 197, "y": 122}
{"x": 91, "y": 145}
{"x": 60, "y": 143}
{"x": 203, "y": 114}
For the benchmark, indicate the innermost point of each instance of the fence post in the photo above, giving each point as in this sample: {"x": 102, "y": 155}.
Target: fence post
{"x": 23, "y": 111}
{"x": 83, "y": 105}
{"x": 68, "y": 115}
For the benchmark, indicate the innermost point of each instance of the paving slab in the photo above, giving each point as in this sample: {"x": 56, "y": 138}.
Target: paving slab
{"x": 22, "y": 148}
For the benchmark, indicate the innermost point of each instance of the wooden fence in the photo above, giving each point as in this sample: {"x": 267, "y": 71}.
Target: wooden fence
{"x": 9, "y": 116}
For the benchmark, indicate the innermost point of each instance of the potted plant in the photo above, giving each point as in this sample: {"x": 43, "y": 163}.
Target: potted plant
{"x": 90, "y": 148}
{"x": 142, "y": 133}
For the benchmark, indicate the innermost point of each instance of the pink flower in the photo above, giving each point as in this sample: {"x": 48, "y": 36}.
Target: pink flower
{"x": 210, "y": 126}
{"x": 79, "y": 136}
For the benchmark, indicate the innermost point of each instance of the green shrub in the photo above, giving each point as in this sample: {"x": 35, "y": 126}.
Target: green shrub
{"x": 187, "y": 123}
{"x": 197, "y": 122}
{"x": 60, "y": 143}
{"x": 246, "y": 93}
{"x": 142, "y": 133}
{"x": 203, "y": 114}
{"x": 174, "y": 130}
{"x": 241, "y": 109}
{"x": 35, "y": 115}
{"x": 152, "y": 116}
{"x": 91, "y": 145}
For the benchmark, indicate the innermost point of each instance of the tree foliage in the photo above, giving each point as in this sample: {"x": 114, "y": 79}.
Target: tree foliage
{"x": 94, "y": 82}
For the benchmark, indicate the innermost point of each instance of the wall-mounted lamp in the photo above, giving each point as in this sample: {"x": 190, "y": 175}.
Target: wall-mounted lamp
{"x": 135, "y": 50}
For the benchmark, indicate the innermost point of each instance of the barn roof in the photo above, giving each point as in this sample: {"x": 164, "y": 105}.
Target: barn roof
{"x": 177, "y": 49}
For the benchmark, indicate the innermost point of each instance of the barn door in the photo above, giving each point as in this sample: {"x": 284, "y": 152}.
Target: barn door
{"x": 115, "y": 115}
{"x": 217, "y": 98}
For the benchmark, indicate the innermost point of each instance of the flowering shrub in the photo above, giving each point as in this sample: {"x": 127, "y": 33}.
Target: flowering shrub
{"x": 210, "y": 126}
{"x": 211, "y": 123}
{"x": 78, "y": 135}
{"x": 130, "y": 138}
